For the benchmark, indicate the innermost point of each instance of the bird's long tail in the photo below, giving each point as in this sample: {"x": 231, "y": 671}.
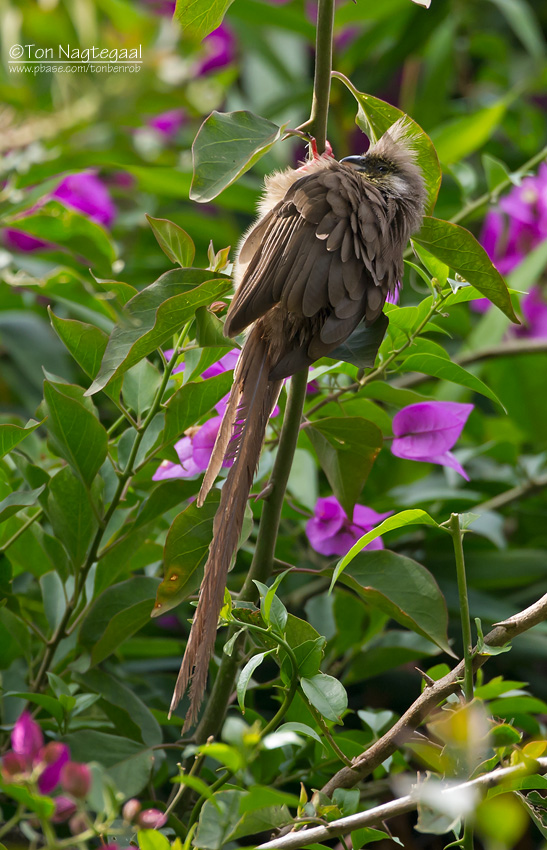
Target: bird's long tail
{"x": 252, "y": 399}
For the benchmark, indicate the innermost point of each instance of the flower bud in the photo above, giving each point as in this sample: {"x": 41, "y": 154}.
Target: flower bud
{"x": 52, "y": 752}
{"x": 64, "y": 809}
{"x": 13, "y": 766}
{"x": 151, "y": 819}
{"x": 130, "y": 810}
{"x": 27, "y": 738}
{"x": 76, "y": 778}
{"x": 77, "y": 823}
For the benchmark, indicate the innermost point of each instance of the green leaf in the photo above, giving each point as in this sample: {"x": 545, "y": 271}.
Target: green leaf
{"x": 12, "y": 435}
{"x": 496, "y": 172}
{"x": 127, "y": 763}
{"x": 70, "y": 514}
{"x": 226, "y": 755}
{"x": 300, "y": 729}
{"x": 140, "y": 385}
{"x": 309, "y": 656}
{"x": 327, "y": 695}
{"x": 185, "y": 553}
{"x": 82, "y": 236}
{"x": 368, "y": 835}
{"x": 151, "y": 839}
{"x": 216, "y": 822}
{"x": 130, "y": 709}
{"x": 173, "y": 240}
{"x": 196, "y": 784}
{"x": 226, "y": 146}
{"x": 113, "y": 602}
{"x": 79, "y": 436}
{"x": 361, "y": 347}
{"x": 54, "y": 597}
{"x": 42, "y": 806}
{"x": 198, "y": 18}
{"x": 153, "y": 316}
{"x": 14, "y": 638}
{"x": 192, "y": 401}
{"x": 403, "y": 589}
{"x": 440, "y": 367}
{"x": 347, "y": 448}
{"x": 459, "y": 249}
{"x": 86, "y": 344}
{"x": 49, "y": 704}
{"x": 463, "y": 136}
{"x": 522, "y": 19}
{"x": 400, "y": 520}
{"x": 245, "y": 676}
{"x": 210, "y": 330}
{"x": 375, "y": 116}
{"x": 15, "y": 502}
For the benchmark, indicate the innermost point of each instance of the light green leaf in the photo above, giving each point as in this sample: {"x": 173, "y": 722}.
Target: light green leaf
{"x": 300, "y": 729}
{"x": 400, "y": 520}
{"x": 12, "y": 435}
{"x": 198, "y": 18}
{"x": 153, "y": 316}
{"x": 245, "y": 676}
{"x": 151, "y": 839}
{"x": 226, "y": 146}
{"x": 327, "y": 695}
{"x": 375, "y": 116}
{"x": 459, "y": 249}
{"x": 226, "y": 755}
{"x": 173, "y": 240}
{"x": 446, "y": 370}
{"x": 463, "y": 136}
{"x": 496, "y": 172}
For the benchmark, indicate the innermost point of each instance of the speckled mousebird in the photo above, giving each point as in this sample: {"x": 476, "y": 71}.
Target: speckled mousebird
{"x": 324, "y": 253}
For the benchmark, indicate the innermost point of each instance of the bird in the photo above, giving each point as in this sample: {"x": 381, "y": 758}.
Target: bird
{"x": 325, "y": 251}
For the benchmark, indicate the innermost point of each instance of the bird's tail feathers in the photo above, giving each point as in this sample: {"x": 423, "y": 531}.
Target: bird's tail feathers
{"x": 249, "y": 408}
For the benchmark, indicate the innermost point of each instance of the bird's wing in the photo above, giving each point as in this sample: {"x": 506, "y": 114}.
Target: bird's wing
{"x": 319, "y": 251}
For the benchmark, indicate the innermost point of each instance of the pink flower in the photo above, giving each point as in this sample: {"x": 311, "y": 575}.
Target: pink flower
{"x": 330, "y": 532}
{"x": 27, "y": 739}
{"x": 85, "y": 193}
{"x": 534, "y": 312}
{"x": 219, "y": 48}
{"x": 64, "y": 809}
{"x": 131, "y": 809}
{"x": 428, "y": 430}
{"x": 151, "y": 819}
{"x": 54, "y": 755}
{"x": 167, "y": 124}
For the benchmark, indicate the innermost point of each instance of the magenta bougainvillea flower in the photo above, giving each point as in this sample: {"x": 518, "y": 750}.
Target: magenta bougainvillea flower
{"x": 55, "y": 755}
{"x": 331, "y": 532}
{"x": 167, "y": 124}
{"x": 534, "y": 313}
{"x": 428, "y": 430}
{"x": 83, "y": 192}
{"x": 26, "y": 738}
{"x": 64, "y": 809}
{"x": 29, "y": 755}
{"x": 151, "y": 819}
{"x": 219, "y": 50}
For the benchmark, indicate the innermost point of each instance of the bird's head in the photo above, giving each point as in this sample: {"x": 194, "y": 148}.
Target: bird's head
{"x": 390, "y": 165}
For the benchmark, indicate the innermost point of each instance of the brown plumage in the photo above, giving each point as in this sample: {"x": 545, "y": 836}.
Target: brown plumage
{"x": 322, "y": 257}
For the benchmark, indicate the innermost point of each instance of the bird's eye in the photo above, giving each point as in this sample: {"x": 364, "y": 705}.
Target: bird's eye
{"x": 382, "y": 169}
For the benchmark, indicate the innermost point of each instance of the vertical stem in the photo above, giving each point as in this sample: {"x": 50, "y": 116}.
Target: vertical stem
{"x": 317, "y": 124}
{"x": 455, "y": 531}
{"x": 262, "y": 563}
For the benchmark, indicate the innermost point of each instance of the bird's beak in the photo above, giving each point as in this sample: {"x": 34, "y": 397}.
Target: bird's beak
{"x": 356, "y": 161}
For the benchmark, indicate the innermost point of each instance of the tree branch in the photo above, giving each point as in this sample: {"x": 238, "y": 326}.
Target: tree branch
{"x": 347, "y": 777}
{"x": 378, "y": 814}
{"x": 317, "y": 124}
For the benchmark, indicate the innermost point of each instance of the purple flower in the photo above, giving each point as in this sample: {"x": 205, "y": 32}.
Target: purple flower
{"x": 167, "y": 124}
{"x": 428, "y": 430}
{"x": 151, "y": 819}
{"x": 534, "y": 312}
{"x": 85, "y": 193}
{"x": 17, "y": 240}
{"x": 27, "y": 739}
{"x": 132, "y": 808}
{"x": 330, "y": 531}
{"x": 55, "y": 755}
{"x": 219, "y": 48}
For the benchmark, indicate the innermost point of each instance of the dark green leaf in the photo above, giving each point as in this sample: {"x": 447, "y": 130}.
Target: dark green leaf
{"x": 375, "y": 116}
{"x": 198, "y": 18}
{"x": 173, "y": 240}
{"x": 131, "y": 710}
{"x": 403, "y": 589}
{"x": 15, "y": 502}
{"x": 79, "y": 436}
{"x": 140, "y": 385}
{"x": 327, "y": 695}
{"x": 113, "y": 601}
{"x": 14, "y": 638}
{"x": 70, "y": 514}
{"x": 153, "y": 316}
{"x": 361, "y": 347}
{"x": 347, "y": 448}
{"x": 12, "y": 435}
{"x": 226, "y": 146}
{"x": 459, "y": 249}
{"x": 49, "y": 704}
{"x": 185, "y": 553}
{"x": 127, "y": 763}
{"x": 87, "y": 345}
